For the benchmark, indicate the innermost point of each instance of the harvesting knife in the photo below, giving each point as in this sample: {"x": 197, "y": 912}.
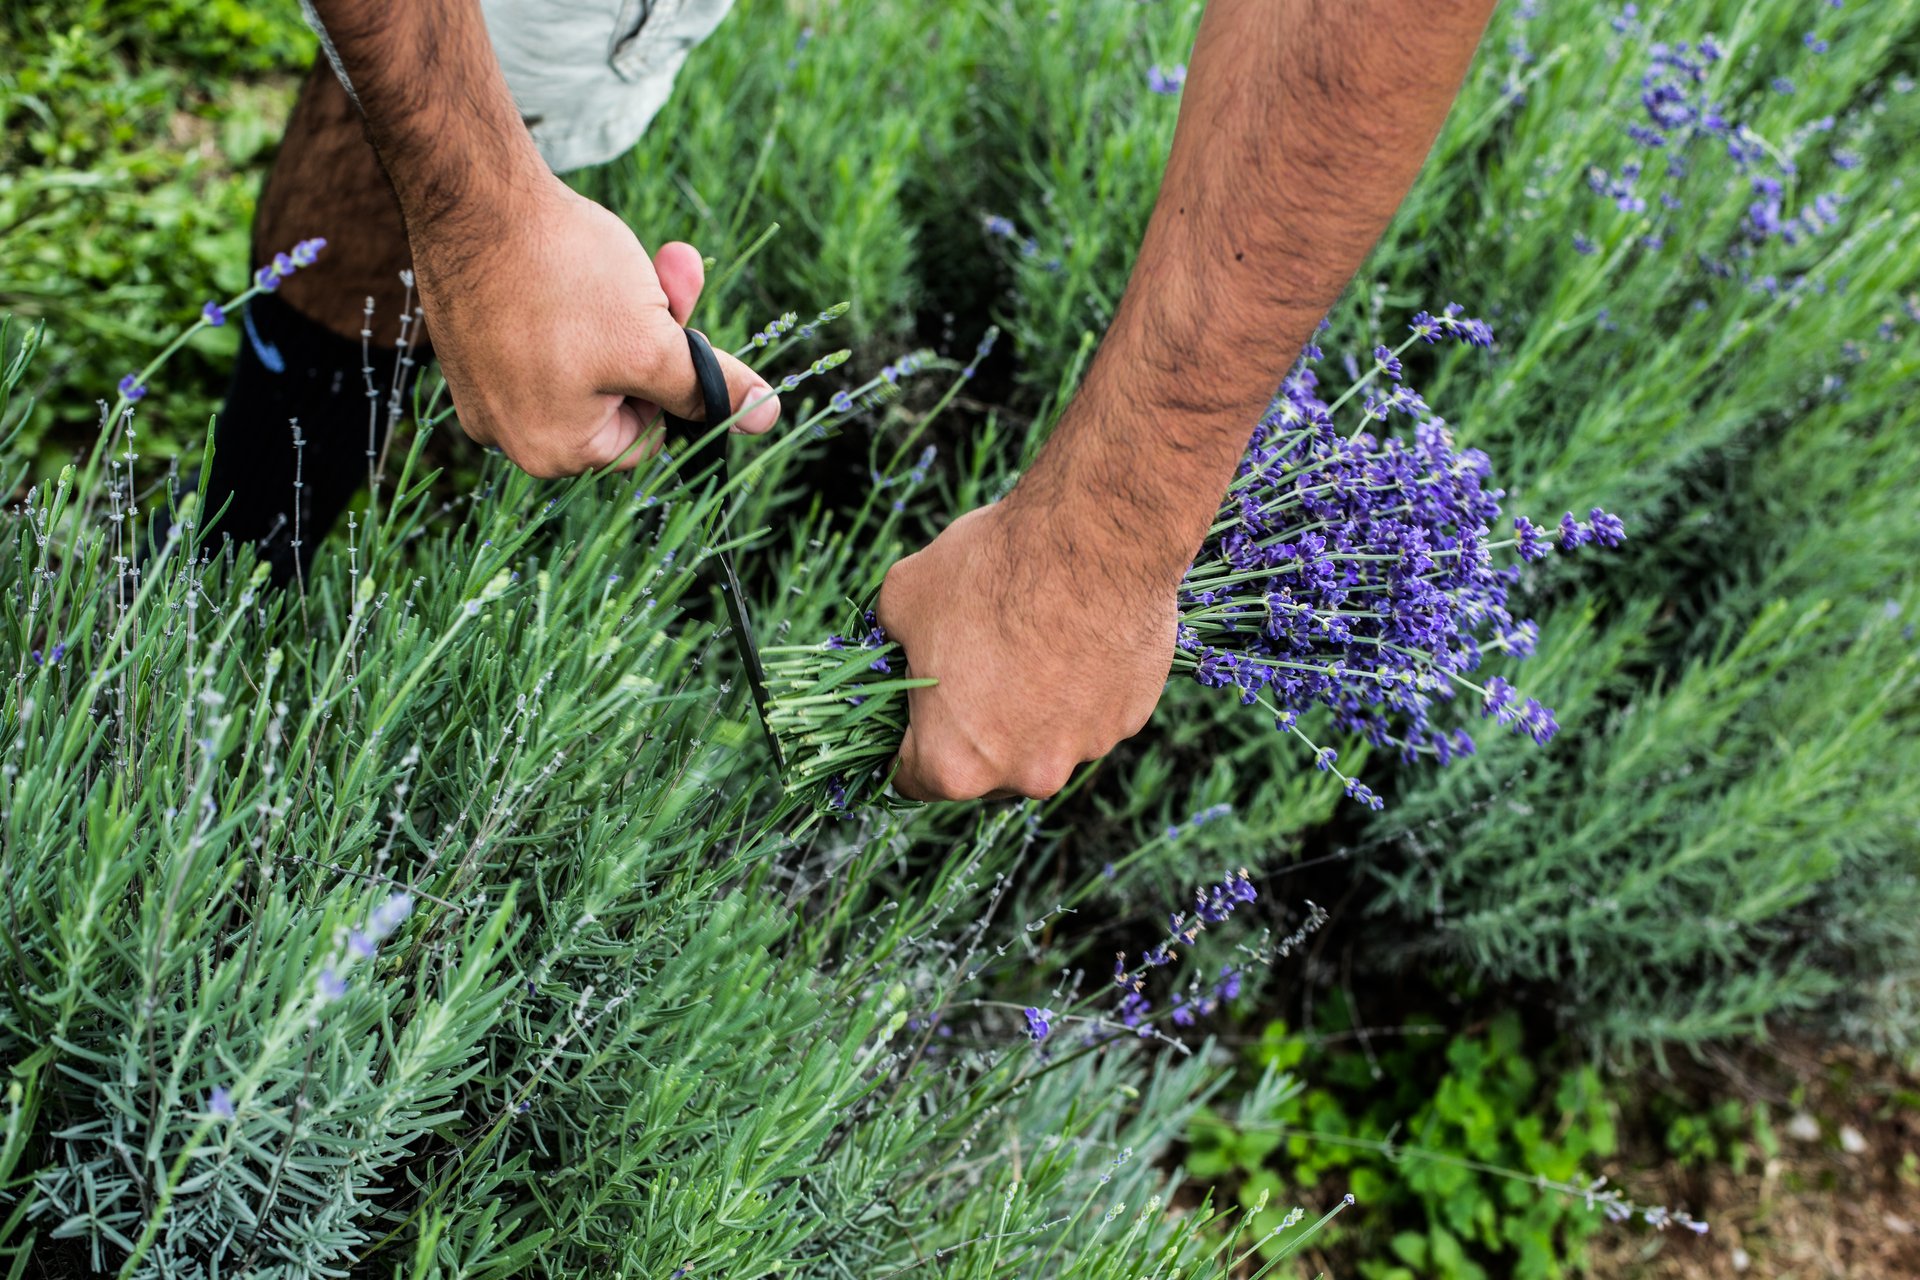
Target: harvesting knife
{"x": 712, "y": 454}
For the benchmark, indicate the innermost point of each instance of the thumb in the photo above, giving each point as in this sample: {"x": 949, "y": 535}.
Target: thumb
{"x": 682, "y": 275}
{"x": 661, "y": 375}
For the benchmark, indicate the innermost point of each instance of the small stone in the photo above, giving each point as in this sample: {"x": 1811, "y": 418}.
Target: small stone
{"x": 1851, "y": 1140}
{"x": 1803, "y": 1128}
{"x": 1740, "y": 1259}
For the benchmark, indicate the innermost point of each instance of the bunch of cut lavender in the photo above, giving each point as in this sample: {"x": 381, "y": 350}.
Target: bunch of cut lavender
{"x": 1356, "y": 572}
{"x": 1348, "y": 570}
{"x": 839, "y": 709}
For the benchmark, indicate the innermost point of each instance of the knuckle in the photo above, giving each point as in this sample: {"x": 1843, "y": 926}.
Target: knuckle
{"x": 904, "y": 574}
{"x": 1044, "y": 779}
{"x": 896, "y": 593}
{"x": 957, "y": 780}
{"x": 601, "y": 453}
{"x": 542, "y": 466}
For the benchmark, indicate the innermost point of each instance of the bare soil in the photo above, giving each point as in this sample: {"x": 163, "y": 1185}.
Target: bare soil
{"x": 1840, "y": 1198}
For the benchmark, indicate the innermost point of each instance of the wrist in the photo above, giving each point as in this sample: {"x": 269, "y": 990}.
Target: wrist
{"x": 1084, "y": 507}
{"x": 487, "y": 186}
{"x": 454, "y": 233}
{"x": 1130, "y": 486}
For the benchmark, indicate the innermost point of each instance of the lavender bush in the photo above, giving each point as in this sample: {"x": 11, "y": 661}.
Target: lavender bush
{"x": 1691, "y": 225}
{"x": 427, "y": 917}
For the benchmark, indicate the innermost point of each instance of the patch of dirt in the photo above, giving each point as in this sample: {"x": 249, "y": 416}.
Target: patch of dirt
{"x": 1838, "y": 1195}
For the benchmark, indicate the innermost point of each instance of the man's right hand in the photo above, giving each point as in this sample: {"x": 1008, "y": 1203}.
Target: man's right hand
{"x": 561, "y": 341}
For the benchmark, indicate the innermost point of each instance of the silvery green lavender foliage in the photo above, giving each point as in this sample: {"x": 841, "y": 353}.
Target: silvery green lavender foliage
{"x": 429, "y": 918}
{"x": 1728, "y": 847}
{"x": 1730, "y": 350}
{"x": 1347, "y": 572}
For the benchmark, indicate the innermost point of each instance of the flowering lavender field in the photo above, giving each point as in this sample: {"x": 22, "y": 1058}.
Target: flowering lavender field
{"x": 444, "y": 915}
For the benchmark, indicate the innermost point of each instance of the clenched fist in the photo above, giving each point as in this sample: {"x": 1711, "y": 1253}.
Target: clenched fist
{"x": 1045, "y": 659}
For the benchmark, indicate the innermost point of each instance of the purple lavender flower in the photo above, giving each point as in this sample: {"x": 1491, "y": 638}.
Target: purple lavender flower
{"x": 220, "y": 1103}
{"x": 1572, "y": 533}
{"x": 1039, "y": 1023}
{"x": 360, "y": 946}
{"x": 1605, "y": 529}
{"x": 1360, "y": 793}
{"x": 1530, "y": 539}
{"x": 1212, "y": 813}
{"x": 1167, "y": 81}
{"x": 389, "y": 915}
{"x": 1213, "y": 904}
{"x": 1538, "y": 722}
{"x": 1498, "y": 701}
{"x": 981, "y": 351}
{"x": 132, "y": 388}
{"x": 998, "y": 227}
{"x": 909, "y": 364}
{"x": 271, "y": 276}
{"x": 212, "y": 314}
{"x": 775, "y": 331}
{"x": 837, "y": 794}
{"x": 330, "y": 985}
{"x": 1355, "y": 573}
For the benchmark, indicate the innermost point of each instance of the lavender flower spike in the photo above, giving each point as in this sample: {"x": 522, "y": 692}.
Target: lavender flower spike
{"x": 1167, "y": 81}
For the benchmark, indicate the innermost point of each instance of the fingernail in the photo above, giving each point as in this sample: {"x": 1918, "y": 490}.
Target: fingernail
{"x": 763, "y": 410}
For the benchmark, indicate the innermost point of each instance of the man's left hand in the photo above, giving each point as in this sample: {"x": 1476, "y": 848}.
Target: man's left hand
{"x": 1046, "y": 652}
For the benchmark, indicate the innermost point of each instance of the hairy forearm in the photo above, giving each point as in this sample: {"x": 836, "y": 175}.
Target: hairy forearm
{"x": 1302, "y": 125}
{"x": 437, "y": 110}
